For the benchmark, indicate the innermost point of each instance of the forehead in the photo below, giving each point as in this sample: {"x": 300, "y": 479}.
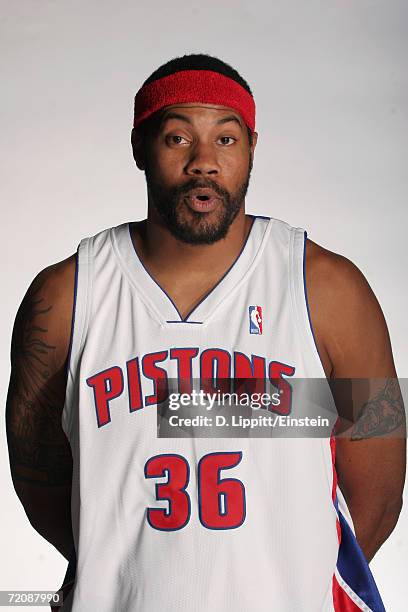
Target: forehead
{"x": 193, "y": 111}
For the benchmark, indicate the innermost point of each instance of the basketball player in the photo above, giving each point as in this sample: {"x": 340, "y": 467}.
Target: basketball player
{"x": 200, "y": 289}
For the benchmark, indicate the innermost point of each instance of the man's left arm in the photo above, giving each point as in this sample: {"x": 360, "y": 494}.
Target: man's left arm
{"x": 371, "y": 439}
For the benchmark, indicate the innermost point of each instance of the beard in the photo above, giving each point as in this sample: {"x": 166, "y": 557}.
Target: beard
{"x": 191, "y": 226}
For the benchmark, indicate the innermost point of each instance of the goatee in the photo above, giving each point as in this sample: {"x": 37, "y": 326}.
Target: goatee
{"x": 191, "y": 226}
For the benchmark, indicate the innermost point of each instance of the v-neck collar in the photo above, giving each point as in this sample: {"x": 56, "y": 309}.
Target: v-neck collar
{"x": 160, "y": 302}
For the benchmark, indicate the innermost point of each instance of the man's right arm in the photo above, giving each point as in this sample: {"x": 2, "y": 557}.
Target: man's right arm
{"x": 39, "y": 451}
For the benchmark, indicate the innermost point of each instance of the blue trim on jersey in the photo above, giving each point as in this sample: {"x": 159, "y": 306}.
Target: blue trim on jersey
{"x": 209, "y": 293}
{"x": 354, "y": 569}
{"x": 190, "y": 322}
{"x": 68, "y": 361}
{"x": 307, "y": 302}
{"x": 148, "y": 273}
{"x": 227, "y": 272}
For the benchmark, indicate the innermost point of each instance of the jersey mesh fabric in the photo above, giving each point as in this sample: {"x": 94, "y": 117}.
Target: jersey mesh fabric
{"x": 285, "y": 553}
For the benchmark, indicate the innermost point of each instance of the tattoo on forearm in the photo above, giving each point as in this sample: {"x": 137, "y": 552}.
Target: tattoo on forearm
{"x": 382, "y": 414}
{"x": 39, "y": 450}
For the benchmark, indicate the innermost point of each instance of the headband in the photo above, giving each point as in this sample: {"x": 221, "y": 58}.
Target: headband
{"x": 196, "y": 86}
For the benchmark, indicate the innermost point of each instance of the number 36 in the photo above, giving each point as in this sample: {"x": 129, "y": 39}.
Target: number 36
{"x": 221, "y": 501}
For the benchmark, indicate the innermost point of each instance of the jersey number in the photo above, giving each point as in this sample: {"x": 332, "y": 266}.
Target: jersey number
{"x": 221, "y": 501}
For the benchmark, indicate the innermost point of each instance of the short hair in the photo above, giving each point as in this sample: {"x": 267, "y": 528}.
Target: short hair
{"x": 193, "y": 61}
{"x": 198, "y": 61}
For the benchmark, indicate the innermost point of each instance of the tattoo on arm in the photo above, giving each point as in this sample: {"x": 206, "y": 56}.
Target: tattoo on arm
{"x": 382, "y": 414}
{"x": 38, "y": 448}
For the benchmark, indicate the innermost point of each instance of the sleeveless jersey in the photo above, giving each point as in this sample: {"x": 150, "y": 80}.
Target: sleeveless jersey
{"x": 191, "y": 524}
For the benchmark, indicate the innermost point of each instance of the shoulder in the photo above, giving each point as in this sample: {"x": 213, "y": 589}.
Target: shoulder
{"x": 46, "y": 310}
{"x": 336, "y": 278}
{"x": 345, "y": 311}
{"x": 55, "y": 286}
{"x": 56, "y": 279}
{"x": 323, "y": 262}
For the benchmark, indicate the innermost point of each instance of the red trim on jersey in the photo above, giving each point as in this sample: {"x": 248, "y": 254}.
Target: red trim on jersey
{"x": 206, "y": 86}
{"x": 338, "y": 528}
{"x": 333, "y": 455}
{"x": 341, "y": 600}
{"x": 334, "y": 487}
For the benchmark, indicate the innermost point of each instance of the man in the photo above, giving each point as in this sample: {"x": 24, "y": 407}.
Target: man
{"x": 202, "y": 291}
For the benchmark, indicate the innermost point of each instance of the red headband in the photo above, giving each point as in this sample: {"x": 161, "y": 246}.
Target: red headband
{"x": 195, "y": 86}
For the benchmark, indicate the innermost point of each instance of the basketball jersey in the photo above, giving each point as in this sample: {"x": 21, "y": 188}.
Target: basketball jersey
{"x": 195, "y": 523}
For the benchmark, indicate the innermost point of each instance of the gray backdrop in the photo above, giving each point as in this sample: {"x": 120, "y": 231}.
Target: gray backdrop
{"x": 330, "y": 83}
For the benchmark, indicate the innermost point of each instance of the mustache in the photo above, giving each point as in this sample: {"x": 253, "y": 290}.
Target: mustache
{"x": 196, "y": 184}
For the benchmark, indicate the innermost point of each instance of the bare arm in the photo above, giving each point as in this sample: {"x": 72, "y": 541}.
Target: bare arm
{"x": 371, "y": 443}
{"x": 39, "y": 452}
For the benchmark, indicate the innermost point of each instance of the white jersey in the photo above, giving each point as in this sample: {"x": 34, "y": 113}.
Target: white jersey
{"x": 192, "y": 523}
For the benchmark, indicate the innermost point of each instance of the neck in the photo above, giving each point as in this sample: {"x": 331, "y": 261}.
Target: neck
{"x": 165, "y": 255}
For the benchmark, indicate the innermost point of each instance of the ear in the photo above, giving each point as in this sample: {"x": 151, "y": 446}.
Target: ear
{"x": 254, "y": 141}
{"x": 138, "y": 149}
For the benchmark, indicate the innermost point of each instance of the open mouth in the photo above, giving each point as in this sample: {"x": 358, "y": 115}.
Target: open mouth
{"x": 202, "y": 199}
{"x": 203, "y": 193}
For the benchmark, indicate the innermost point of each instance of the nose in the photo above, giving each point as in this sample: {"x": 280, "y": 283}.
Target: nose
{"x": 203, "y": 160}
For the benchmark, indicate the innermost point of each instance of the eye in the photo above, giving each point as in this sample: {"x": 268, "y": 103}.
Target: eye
{"x": 175, "y": 139}
{"x": 227, "y": 138}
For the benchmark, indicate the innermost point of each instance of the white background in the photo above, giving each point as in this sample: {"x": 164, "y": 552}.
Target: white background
{"x": 330, "y": 84}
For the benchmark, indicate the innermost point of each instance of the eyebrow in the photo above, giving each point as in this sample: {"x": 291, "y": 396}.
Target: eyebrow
{"x": 229, "y": 118}
{"x": 174, "y": 115}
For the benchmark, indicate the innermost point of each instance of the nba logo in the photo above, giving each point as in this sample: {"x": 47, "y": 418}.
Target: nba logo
{"x": 255, "y": 320}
